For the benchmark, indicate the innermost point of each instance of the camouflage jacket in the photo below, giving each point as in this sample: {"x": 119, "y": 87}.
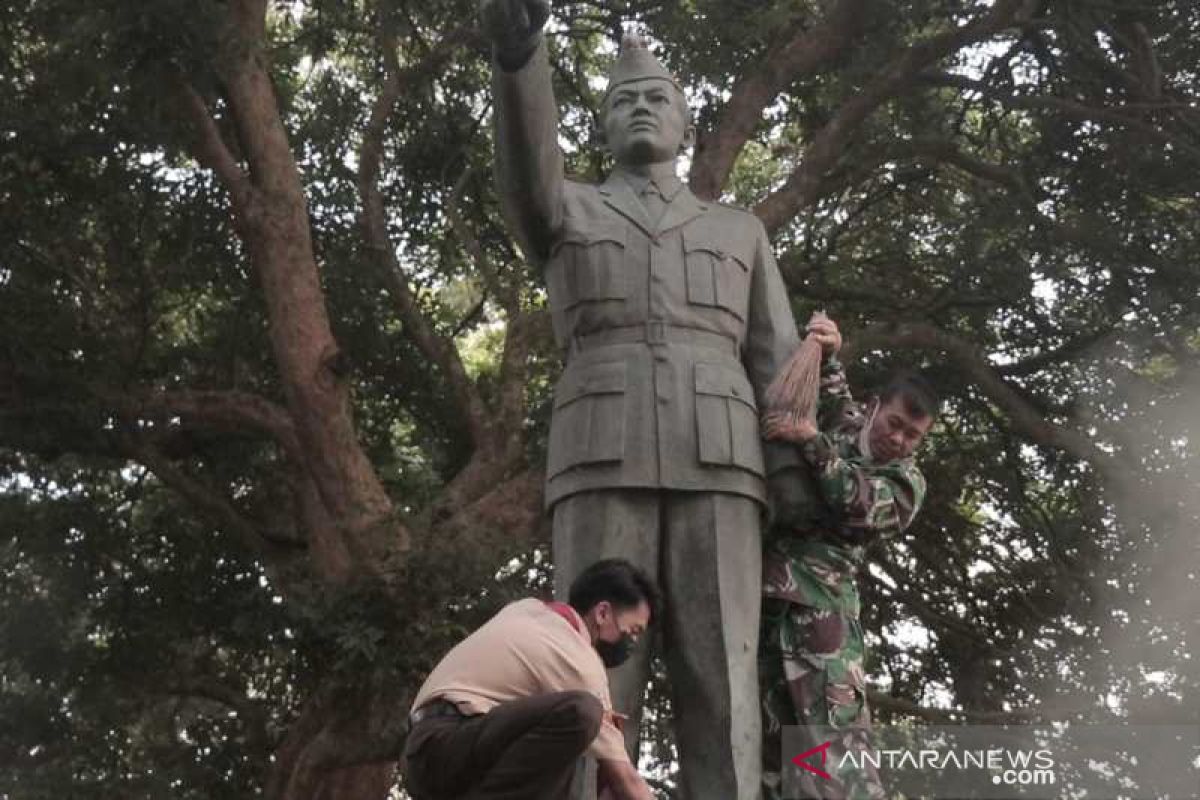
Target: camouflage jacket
{"x": 861, "y": 501}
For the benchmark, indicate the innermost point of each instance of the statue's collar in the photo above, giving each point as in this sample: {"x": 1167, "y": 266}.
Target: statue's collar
{"x": 662, "y": 175}
{"x": 620, "y": 194}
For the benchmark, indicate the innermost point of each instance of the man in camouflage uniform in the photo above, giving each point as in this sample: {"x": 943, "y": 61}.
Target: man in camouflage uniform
{"x": 865, "y": 487}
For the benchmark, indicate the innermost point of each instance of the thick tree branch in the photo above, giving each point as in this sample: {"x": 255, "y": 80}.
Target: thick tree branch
{"x": 809, "y": 281}
{"x": 1081, "y": 29}
{"x": 802, "y": 53}
{"x": 946, "y": 716}
{"x": 509, "y": 514}
{"x": 505, "y": 446}
{"x": 1048, "y": 358}
{"x": 943, "y": 151}
{"x": 237, "y": 411}
{"x": 498, "y": 435}
{"x": 251, "y": 17}
{"x": 802, "y": 188}
{"x": 507, "y": 297}
{"x": 219, "y": 511}
{"x": 1026, "y": 419}
{"x": 292, "y": 769}
{"x": 1130, "y": 115}
{"x": 438, "y": 349}
{"x": 226, "y": 410}
{"x": 330, "y": 554}
{"x": 255, "y": 108}
{"x": 1148, "y": 68}
{"x": 75, "y": 408}
{"x": 927, "y": 150}
{"x": 924, "y": 610}
{"x": 209, "y": 148}
{"x": 527, "y": 331}
{"x": 277, "y": 232}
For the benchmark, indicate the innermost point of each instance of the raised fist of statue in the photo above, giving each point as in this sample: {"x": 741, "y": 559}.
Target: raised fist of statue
{"x": 513, "y": 25}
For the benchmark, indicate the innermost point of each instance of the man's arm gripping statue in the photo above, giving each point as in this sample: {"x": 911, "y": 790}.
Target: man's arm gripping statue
{"x": 870, "y": 499}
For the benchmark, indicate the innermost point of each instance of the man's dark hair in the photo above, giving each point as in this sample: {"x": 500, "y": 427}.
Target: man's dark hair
{"x": 918, "y": 395}
{"x": 617, "y": 581}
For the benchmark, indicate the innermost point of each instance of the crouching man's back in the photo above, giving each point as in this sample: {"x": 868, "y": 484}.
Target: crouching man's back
{"x": 509, "y": 711}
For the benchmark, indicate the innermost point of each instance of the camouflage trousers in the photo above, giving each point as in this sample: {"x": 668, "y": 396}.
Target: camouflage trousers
{"x": 811, "y": 676}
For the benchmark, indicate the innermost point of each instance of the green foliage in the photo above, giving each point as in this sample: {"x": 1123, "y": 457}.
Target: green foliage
{"x": 125, "y": 623}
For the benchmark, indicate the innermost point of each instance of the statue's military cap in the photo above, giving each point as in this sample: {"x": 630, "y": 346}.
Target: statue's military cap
{"x": 636, "y": 63}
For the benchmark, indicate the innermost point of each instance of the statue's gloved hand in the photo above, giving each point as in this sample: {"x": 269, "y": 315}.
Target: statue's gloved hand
{"x": 514, "y": 27}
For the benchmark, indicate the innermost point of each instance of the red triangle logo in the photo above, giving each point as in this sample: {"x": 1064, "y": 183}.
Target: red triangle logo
{"x": 801, "y": 760}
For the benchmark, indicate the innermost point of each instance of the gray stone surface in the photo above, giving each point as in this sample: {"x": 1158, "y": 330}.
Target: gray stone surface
{"x": 673, "y": 319}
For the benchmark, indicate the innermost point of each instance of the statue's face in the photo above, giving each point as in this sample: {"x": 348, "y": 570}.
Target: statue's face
{"x": 646, "y": 122}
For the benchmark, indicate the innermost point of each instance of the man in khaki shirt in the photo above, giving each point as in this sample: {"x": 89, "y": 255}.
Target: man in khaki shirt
{"x": 508, "y": 712}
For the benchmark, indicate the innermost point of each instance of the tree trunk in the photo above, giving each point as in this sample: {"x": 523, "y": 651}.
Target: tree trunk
{"x": 319, "y": 758}
{"x": 341, "y": 506}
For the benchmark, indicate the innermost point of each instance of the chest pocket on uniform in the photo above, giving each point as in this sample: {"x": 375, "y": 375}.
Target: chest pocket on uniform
{"x": 715, "y": 276}
{"x": 727, "y": 418}
{"x": 588, "y": 424}
{"x": 587, "y": 264}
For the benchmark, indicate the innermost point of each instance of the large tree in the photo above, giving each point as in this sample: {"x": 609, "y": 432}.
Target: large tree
{"x": 274, "y": 379}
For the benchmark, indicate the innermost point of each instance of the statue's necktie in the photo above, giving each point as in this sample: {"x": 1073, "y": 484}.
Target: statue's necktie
{"x": 653, "y": 200}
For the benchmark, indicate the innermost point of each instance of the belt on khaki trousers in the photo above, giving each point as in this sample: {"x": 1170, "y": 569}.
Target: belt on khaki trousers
{"x": 434, "y": 709}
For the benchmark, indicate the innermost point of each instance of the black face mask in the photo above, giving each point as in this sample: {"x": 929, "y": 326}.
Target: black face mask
{"x": 614, "y": 654}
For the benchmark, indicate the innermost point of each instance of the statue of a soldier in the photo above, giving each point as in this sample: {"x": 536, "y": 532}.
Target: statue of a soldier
{"x": 673, "y": 319}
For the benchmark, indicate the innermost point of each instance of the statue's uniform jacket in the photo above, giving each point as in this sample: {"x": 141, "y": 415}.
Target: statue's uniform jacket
{"x": 674, "y": 407}
{"x": 671, "y": 331}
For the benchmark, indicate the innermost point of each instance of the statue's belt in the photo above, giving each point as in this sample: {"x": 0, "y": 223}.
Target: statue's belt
{"x": 655, "y": 333}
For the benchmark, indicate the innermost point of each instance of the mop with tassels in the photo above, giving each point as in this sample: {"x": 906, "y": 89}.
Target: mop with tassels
{"x": 794, "y": 391}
